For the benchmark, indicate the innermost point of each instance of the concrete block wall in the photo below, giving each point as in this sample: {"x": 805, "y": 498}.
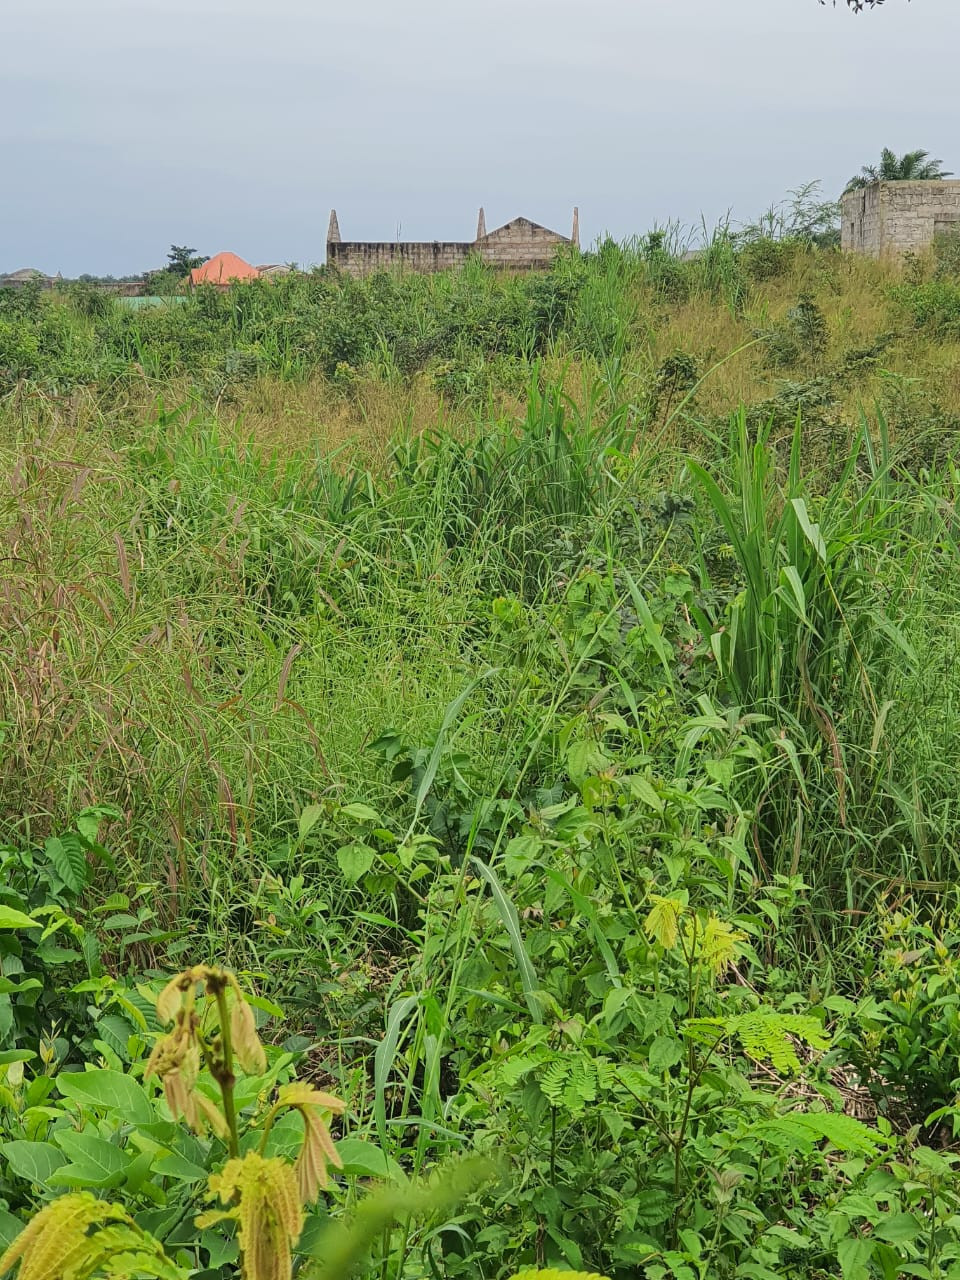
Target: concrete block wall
{"x": 860, "y": 221}
{"x": 363, "y": 258}
{"x": 893, "y": 218}
{"x": 520, "y": 245}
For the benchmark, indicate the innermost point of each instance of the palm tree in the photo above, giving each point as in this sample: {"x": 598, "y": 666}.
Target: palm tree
{"x": 912, "y": 166}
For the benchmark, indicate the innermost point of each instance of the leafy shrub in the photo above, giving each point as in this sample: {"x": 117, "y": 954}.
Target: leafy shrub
{"x": 49, "y": 971}
{"x": 946, "y": 255}
{"x": 905, "y": 1036}
{"x": 766, "y": 258}
{"x": 800, "y": 338}
{"x": 665, "y": 273}
{"x": 677, "y": 375}
{"x": 111, "y": 1132}
{"x": 89, "y": 301}
{"x": 933, "y": 306}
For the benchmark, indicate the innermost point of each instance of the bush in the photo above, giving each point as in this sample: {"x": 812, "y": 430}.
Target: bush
{"x": 904, "y": 1038}
{"x": 766, "y": 258}
{"x": 933, "y": 306}
{"x": 946, "y": 255}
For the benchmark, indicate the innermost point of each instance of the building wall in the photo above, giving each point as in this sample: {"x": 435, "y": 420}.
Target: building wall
{"x": 892, "y": 218}
{"x": 520, "y": 245}
{"x": 119, "y": 288}
{"x": 362, "y": 258}
{"x": 860, "y": 221}
{"x": 24, "y": 282}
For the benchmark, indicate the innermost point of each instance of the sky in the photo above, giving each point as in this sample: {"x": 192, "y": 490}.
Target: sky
{"x": 128, "y": 125}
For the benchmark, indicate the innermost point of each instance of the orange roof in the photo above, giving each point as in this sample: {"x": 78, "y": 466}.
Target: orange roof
{"x": 222, "y": 269}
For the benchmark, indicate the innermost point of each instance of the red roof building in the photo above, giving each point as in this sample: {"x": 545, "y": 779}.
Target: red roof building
{"x": 223, "y": 270}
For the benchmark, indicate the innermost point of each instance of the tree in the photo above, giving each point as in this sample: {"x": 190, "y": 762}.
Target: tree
{"x": 803, "y": 215}
{"x": 858, "y": 6}
{"x": 912, "y": 166}
{"x": 183, "y": 260}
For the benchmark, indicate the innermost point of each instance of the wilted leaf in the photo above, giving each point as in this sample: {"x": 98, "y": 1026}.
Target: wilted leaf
{"x": 246, "y": 1042}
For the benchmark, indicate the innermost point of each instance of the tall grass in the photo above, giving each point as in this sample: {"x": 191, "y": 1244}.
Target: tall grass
{"x": 830, "y": 639}
{"x": 210, "y": 614}
{"x": 211, "y": 637}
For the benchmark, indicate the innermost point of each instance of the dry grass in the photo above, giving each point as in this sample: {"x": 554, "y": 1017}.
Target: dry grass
{"x": 908, "y": 379}
{"x": 854, "y": 296}
{"x": 359, "y": 423}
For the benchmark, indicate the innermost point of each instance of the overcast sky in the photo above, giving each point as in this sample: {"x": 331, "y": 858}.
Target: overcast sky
{"x": 126, "y": 125}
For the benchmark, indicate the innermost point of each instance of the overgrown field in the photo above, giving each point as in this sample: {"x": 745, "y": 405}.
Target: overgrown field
{"x": 542, "y": 693}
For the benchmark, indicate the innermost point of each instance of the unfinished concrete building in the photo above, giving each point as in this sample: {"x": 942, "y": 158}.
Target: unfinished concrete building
{"x": 888, "y": 219}
{"x": 519, "y": 245}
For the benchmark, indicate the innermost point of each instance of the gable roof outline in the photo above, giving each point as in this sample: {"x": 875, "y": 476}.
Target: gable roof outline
{"x": 526, "y": 223}
{"x": 26, "y": 273}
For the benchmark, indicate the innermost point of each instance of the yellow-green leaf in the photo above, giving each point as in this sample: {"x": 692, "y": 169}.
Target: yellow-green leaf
{"x": 663, "y": 922}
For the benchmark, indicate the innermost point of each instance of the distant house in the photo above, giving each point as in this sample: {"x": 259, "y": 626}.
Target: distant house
{"x": 519, "y": 245}
{"x": 888, "y": 219}
{"x": 28, "y": 275}
{"x": 275, "y": 269}
{"x": 224, "y": 270}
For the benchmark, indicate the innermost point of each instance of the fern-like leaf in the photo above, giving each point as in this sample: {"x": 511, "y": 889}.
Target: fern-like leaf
{"x": 766, "y": 1035}
{"x": 720, "y": 944}
{"x": 845, "y": 1133}
{"x": 77, "y": 1236}
{"x": 512, "y": 1070}
{"x": 581, "y": 1087}
{"x": 802, "y": 1131}
{"x": 267, "y": 1211}
{"x": 606, "y": 1074}
{"x": 553, "y": 1080}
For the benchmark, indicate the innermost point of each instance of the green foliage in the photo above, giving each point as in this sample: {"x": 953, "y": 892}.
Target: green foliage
{"x": 462, "y": 327}
{"x": 541, "y": 764}
{"x": 665, "y": 273}
{"x": 80, "y": 1236}
{"x": 946, "y": 253}
{"x": 55, "y": 1002}
{"x": 903, "y": 1036}
{"x": 912, "y": 166}
{"x": 183, "y": 260}
{"x": 933, "y": 305}
{"x": 554, "y": 1274}
{"x": 113, "y": 1136}
{"x": 801, "y": 338}
{"x": 778, "y": 237}
{"x": 674, "y": 383}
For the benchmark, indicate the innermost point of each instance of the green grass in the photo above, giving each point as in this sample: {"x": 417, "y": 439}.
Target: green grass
{"x": 415, "y": 719}
{"x": 211, "y": 639}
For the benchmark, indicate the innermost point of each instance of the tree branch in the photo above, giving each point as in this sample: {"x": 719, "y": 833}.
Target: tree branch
{"x": 858, "y": 6}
